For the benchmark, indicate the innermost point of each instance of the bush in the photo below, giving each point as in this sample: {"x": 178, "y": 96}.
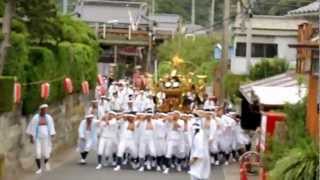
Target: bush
{"x": 296, "y": 158}
{"x": 6, "y": 91}
{"x": 75, "y": 58}
{"x": 231, "y": 85}
{"x": 267, "y": 68}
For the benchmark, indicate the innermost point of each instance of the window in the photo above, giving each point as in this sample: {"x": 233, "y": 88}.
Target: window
{"x": 264, "y": 50}
{"x": 258, "y": 50}
{"x": 241, "y": 49}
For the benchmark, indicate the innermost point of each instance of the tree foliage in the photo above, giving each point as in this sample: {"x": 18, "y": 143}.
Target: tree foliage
{"x": 277, "y": 7}
{"x": 267, "y": 68}
{"x": 297, "y": 157}
{"x": 197, "y": 54}
{"x": 47, "y": 46}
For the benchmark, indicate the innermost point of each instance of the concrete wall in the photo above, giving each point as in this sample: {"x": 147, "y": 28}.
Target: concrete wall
{"x": 239, "y": 64}
{"x": 15, "y": 145}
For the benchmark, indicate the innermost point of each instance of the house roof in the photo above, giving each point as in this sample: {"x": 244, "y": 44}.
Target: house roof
{"x": 195, "y": 29}
{"x": 166, "y": 22}
{"x": 110, "y": 11}
{"x": 276, "y": 90}
{"x": 308, "y": 10}
{"x": 271, "y": 23}
{"x": 166, "y": 18}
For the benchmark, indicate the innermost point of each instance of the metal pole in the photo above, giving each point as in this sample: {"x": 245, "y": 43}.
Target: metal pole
{"x": 153, "y": 7}
{"x": 225, "y": 50}
{"x": 193, "y": 12}
{"x": 212, "y": 13}
{"x": 249, "y": 42}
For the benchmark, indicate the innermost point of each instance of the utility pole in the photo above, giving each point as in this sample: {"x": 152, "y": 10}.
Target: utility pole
{"x": 212, "y": 12}
{"x": 249, "y": 38}
{"x": 10, "y": 8}
{"x": 153, "y": 7}
{"x": 64, "y": 7}
{"x": 225, "y": 50}
{"x": 193, "y": 12}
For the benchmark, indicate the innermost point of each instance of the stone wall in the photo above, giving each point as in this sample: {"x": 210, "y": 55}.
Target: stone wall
{"x": 15, "y": 145}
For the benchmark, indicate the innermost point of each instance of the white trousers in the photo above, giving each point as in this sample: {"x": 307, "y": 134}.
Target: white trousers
{"x": 161, "y": 146}
{"x": 128, "y": 145}
{"x": 175, "y": 147}
{"x": 147, "y": 146}
{"x": 107, "y": 146}
{"x": 43, "y": 148}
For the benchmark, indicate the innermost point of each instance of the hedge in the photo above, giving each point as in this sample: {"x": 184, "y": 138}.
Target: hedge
{"x": 75, "y": 57}
{"x": 6, "y": 91}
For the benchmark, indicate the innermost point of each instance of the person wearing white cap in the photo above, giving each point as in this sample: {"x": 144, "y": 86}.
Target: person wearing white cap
{"x": 103, "y": 105}
{"x": 161, "y": 130}
{"x": 175, "y": 139}
{"x": 199, "y": 156}
{"x": 226, "y": 138}
{"x": 130, "y": 106}
{"x": 127, "y": 141}
{"x": 209, "y": 104}
{"x": 146, "y": 141}
{"x": 41, "y": 131}
{"x": 108, "y": 128}
{"x": 87, "y": 136}
{"x": 149, "y": 105}
{"x": 140, "y": 102}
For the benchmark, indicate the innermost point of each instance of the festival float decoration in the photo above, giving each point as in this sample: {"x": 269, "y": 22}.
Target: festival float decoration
{"x": 178, "y": 86}
{"x": 17, "y": 93}
{"x": 68, "y": 87}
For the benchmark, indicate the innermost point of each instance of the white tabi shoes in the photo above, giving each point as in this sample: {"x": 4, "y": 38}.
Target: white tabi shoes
{"x": 39, "y": 171}
{"x": 117, "y": 168}
{"x": 99, "y": 167}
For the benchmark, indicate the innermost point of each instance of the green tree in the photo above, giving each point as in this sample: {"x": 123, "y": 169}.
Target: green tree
{"x": 197, "y": 54}
{"x": 277, "y": 7}
{"x": 40, "y": 18}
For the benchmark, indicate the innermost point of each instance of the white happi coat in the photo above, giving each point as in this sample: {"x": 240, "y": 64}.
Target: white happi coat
{"x": 226, "y": 139}
{"x": 140, "y": 103}
{"x": 88, "y": 137}
{"x": 199, "y": 149}
{"x": 214, "y": 135}
{"x": 146, "y": 139}
{"x": 108, "y": 137}
{"x": 161, "y": 131}
{"x": 175, "y": 140}
{"x": 241, "y": 138}
{"x": 42, "y": 135}
{"x": 127, "y": 141}
{"x": 116, "y": 104}
{"x": 209, "y": 105}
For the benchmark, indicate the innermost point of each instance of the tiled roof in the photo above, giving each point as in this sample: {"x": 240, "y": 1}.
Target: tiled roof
{"x": 310, "y": 9}
{"x": 272, "y": 22}
{"x": 110, "y": 11}
{"x": 283, "y": 80}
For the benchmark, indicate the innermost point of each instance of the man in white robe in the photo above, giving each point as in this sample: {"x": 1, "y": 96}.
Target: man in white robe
{"x": 199, "y": 157}
{"x": 41, "y": 131}
{"x": 87, "y": 136}
{"x": 127, "y": 141}
{"x": 146, "y": 141}
{"x": 108, "y": 128}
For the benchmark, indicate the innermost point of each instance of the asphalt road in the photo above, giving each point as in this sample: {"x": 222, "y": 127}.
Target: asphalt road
{"x": 70, "y": 170}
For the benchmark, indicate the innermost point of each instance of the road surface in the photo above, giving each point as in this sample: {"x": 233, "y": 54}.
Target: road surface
{"x": 68, "y": 169}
